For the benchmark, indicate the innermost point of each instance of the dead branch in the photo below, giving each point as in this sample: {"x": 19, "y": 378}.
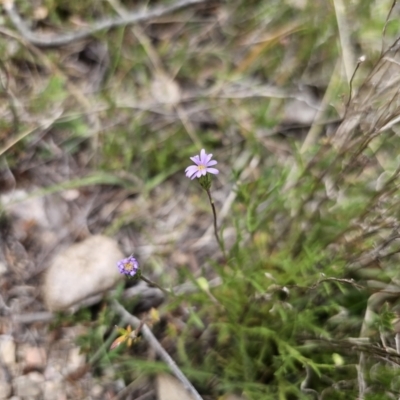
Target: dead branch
{"x": 44, "y": 40}
{"x": 155, "y": 344}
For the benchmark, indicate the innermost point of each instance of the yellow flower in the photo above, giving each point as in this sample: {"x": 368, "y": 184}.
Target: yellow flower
{"x": 127, "y": 335}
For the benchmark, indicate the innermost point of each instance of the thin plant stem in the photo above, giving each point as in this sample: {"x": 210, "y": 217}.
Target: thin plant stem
{"x": 215, "y": 221}
{"x": 151, "y": 283}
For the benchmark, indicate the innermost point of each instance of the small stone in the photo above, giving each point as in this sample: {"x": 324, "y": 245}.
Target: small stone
{"x": 165, "y": 90}
{"x": 53, "y": 390}
{"x": 3, "y": 268}
{"x": 7, "y": 350}
{"x": 25, "y": 208}
{"x": 35, "y": 357}
{"x": 24, "y": 386}
{"x": 84, "y": 269}
{"x": 169, "y": 388}
{"x": 5, "y": 390}
{"x": 96, "y": 391}
{"x": 75, "y": 359}
{"x": 36, "y": 377}
{"x": 40, "y": 13}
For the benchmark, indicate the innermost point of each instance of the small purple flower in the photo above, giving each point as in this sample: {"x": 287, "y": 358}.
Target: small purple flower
{"x": 128, "y": 266}
{"x": 203, "y": 163}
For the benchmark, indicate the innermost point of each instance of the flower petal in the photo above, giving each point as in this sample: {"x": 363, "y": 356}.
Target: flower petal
{"x": 128, "y": 266}
{"x": 191, "y": 170}
{"x": 190, "y": 167}
{"x": 195, "y": 159}
{"x": 202, "y": 163}
{"x": 212, "y": 171}
{"x": 203, "y": 156}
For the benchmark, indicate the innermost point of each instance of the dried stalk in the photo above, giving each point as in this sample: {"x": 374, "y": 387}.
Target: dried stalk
{"x": 155, "y": 344}
{"x": 42, "y": 40}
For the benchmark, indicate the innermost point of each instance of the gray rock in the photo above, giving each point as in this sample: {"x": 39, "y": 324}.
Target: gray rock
{"x": 5, "y": 390}
{"x": 24, "y": 386}
{"x": 7, "y": 350}
{"x": 169, "y": 388}
{"x": 3, "y": 268}
{"x": 84, "y": 269}
{"x": 53, "y": 390}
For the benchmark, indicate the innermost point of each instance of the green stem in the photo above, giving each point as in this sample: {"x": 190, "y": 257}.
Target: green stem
{"x": 151, "y": 283}
{"x": 215, "y": 222}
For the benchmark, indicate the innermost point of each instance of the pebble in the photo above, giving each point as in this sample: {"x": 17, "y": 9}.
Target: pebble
{"x": 28, "y": 385}
{"x": 5, "y": 390}
{"x": 84, "y": 269}
{"x": 53, "y": 390}
{"x": 7, "y": 350}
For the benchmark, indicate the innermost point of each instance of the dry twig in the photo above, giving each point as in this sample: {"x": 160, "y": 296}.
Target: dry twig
{"x": 131, "y": 18}
{"x": 155, "y": 344}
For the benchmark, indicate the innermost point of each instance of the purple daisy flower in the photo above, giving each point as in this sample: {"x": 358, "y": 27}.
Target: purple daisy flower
{"x": 128, "y": 266}
{"x": 203, "y": 163}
